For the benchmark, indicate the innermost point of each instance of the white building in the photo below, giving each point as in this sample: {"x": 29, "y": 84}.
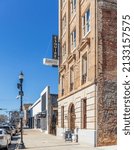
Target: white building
{"x": 42, "y": 111}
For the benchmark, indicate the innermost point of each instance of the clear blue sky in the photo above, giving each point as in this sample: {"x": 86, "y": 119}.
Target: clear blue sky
{"x": 26, "y": 29}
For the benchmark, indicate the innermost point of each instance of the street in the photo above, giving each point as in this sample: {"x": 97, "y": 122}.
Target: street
{"x": 37, "y": 140}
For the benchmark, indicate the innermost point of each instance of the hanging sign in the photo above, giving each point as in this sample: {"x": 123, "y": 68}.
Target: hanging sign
{"x": 55, "y": 47}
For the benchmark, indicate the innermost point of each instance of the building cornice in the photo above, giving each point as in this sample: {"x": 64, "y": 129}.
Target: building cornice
{"x": 83, "y": 43}
{"x": 78, "y": 90}
{"x": 71, "y": 57}
{"x": 62, "y": 67}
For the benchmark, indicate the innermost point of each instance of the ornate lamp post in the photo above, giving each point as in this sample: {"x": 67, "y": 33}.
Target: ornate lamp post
{"x": 21, "y": 94}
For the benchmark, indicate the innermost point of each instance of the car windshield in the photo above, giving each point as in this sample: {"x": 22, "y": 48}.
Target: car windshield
{"x": 0, "y": 131}
{"x": 6, "y": 127}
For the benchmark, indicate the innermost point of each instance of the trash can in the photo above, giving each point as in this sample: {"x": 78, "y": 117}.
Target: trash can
{"x": 68, "y": 136}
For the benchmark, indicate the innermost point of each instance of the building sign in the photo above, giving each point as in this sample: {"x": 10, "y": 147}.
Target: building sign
{"x": 50, "y": 62}
{"x": 55, "y": 47}
{"x": 21, "y": 114}
{"x": 41, "y": 115}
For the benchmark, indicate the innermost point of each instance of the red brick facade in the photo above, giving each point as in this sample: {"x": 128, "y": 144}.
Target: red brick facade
{"x": 107, "y": 69}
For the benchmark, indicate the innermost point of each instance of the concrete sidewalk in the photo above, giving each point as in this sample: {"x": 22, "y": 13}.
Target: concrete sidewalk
{"x": 37, "y": 140}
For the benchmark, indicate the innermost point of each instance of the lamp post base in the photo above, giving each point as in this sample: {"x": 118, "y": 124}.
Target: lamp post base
{"x": 21, "y": 145}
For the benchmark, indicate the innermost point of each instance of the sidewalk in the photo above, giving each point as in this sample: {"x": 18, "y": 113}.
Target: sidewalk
{"x": 36, "y": 140}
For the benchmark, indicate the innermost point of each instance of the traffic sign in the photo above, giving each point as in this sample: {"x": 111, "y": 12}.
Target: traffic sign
{"x": 21, "y": 114}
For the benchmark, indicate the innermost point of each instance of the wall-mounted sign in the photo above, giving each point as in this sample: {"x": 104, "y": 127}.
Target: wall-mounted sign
{"x": 50, "y": 62}
{"x": 41, "y": 115}
{"x": 55, "y": 47}
{"x": 21, "y": 114}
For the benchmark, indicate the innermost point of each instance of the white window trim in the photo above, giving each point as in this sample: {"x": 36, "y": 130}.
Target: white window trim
{"x": 64, "y": 23}
{"x": 64, "y": 50}
{"x": 85, "y": 23}
{"x": 73, "y": 40}
{"x": 73, "y": 7}
{"x": 71, "y": 80}
{"x": 82, "y": 56}
{"x": 64, "y": 55}
{"x": 63, "y": 4}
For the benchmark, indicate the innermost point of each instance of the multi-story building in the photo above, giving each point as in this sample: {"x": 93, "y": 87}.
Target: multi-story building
{"x": 87, "y": 70}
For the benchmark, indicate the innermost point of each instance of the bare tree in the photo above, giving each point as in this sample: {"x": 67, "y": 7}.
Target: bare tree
{"x": 3, "y": 118}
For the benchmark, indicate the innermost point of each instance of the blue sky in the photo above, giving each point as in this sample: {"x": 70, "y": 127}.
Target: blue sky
{"x": 26, "y": 29}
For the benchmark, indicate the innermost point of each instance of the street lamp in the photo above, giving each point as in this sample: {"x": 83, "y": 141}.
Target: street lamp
{"x": 21, "y": 94}
{"x": 3, "y": 109}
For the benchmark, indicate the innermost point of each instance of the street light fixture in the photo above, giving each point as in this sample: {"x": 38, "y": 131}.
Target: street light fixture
{"x": 21, "y": 94}
{"x": 3, "y": 109}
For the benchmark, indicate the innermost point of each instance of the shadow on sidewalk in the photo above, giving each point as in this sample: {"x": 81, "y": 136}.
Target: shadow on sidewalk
{"x": 13, "y": 143}
{"x": 47, "y": 146}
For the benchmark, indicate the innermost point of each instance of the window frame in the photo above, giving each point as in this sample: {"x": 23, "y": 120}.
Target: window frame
{"x": 63, "y": 3}
{"x": 84, "y": 113}
{"x": 71, "y": 78}
{"x": 73, "y": 39}
{"x": 62, "y": 84}
{"x": 73, "y": 7}
{"x": 86, "y": 19}
{"x": 64, "y": 49}
{"x": 64, "y": 23}
{"x": 62, "y": 116}
{"x": 84, "y": 68}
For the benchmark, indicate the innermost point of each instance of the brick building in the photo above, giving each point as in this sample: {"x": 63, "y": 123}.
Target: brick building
{"x": 88, "y": 70}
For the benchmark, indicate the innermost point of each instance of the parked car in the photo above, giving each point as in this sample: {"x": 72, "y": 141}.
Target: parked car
{"x": 5, "y": 139}
{"x": 7, "y": 128}
{"x": 13, "y": 130}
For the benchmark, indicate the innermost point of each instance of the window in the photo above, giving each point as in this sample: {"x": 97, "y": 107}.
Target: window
{"x": 84, "y": 113}
{"x": 64, "y": 50}
{"x": 62, "y": 116}
{"x": 73, "y": 39}
{"x": 86, "y": 23}
{"x": 63, "y": 3}
{"x": 64, "y": 23}
{"x": 73, "y": 6}
{"x": 62, "y": 85}
{"x": 84, "y": 68}
{"x": 71, "y": 78}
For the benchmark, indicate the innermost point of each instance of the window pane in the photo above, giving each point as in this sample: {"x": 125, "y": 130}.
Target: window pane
{"x": 71, "y": 78}
{"x": 74, "y": 4}
{"x": 84, "y": 69}
{"x": 84, "y": 113}
{"x": 88, "y": 19}
{"x": 88, "y": 15}
{"x": 74, "y": 38}
{"x": 83, "y": 25}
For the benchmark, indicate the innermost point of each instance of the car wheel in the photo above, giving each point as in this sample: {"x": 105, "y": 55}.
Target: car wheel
{"x": 6, "y": 147}
{"x": 11, "y": 137}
